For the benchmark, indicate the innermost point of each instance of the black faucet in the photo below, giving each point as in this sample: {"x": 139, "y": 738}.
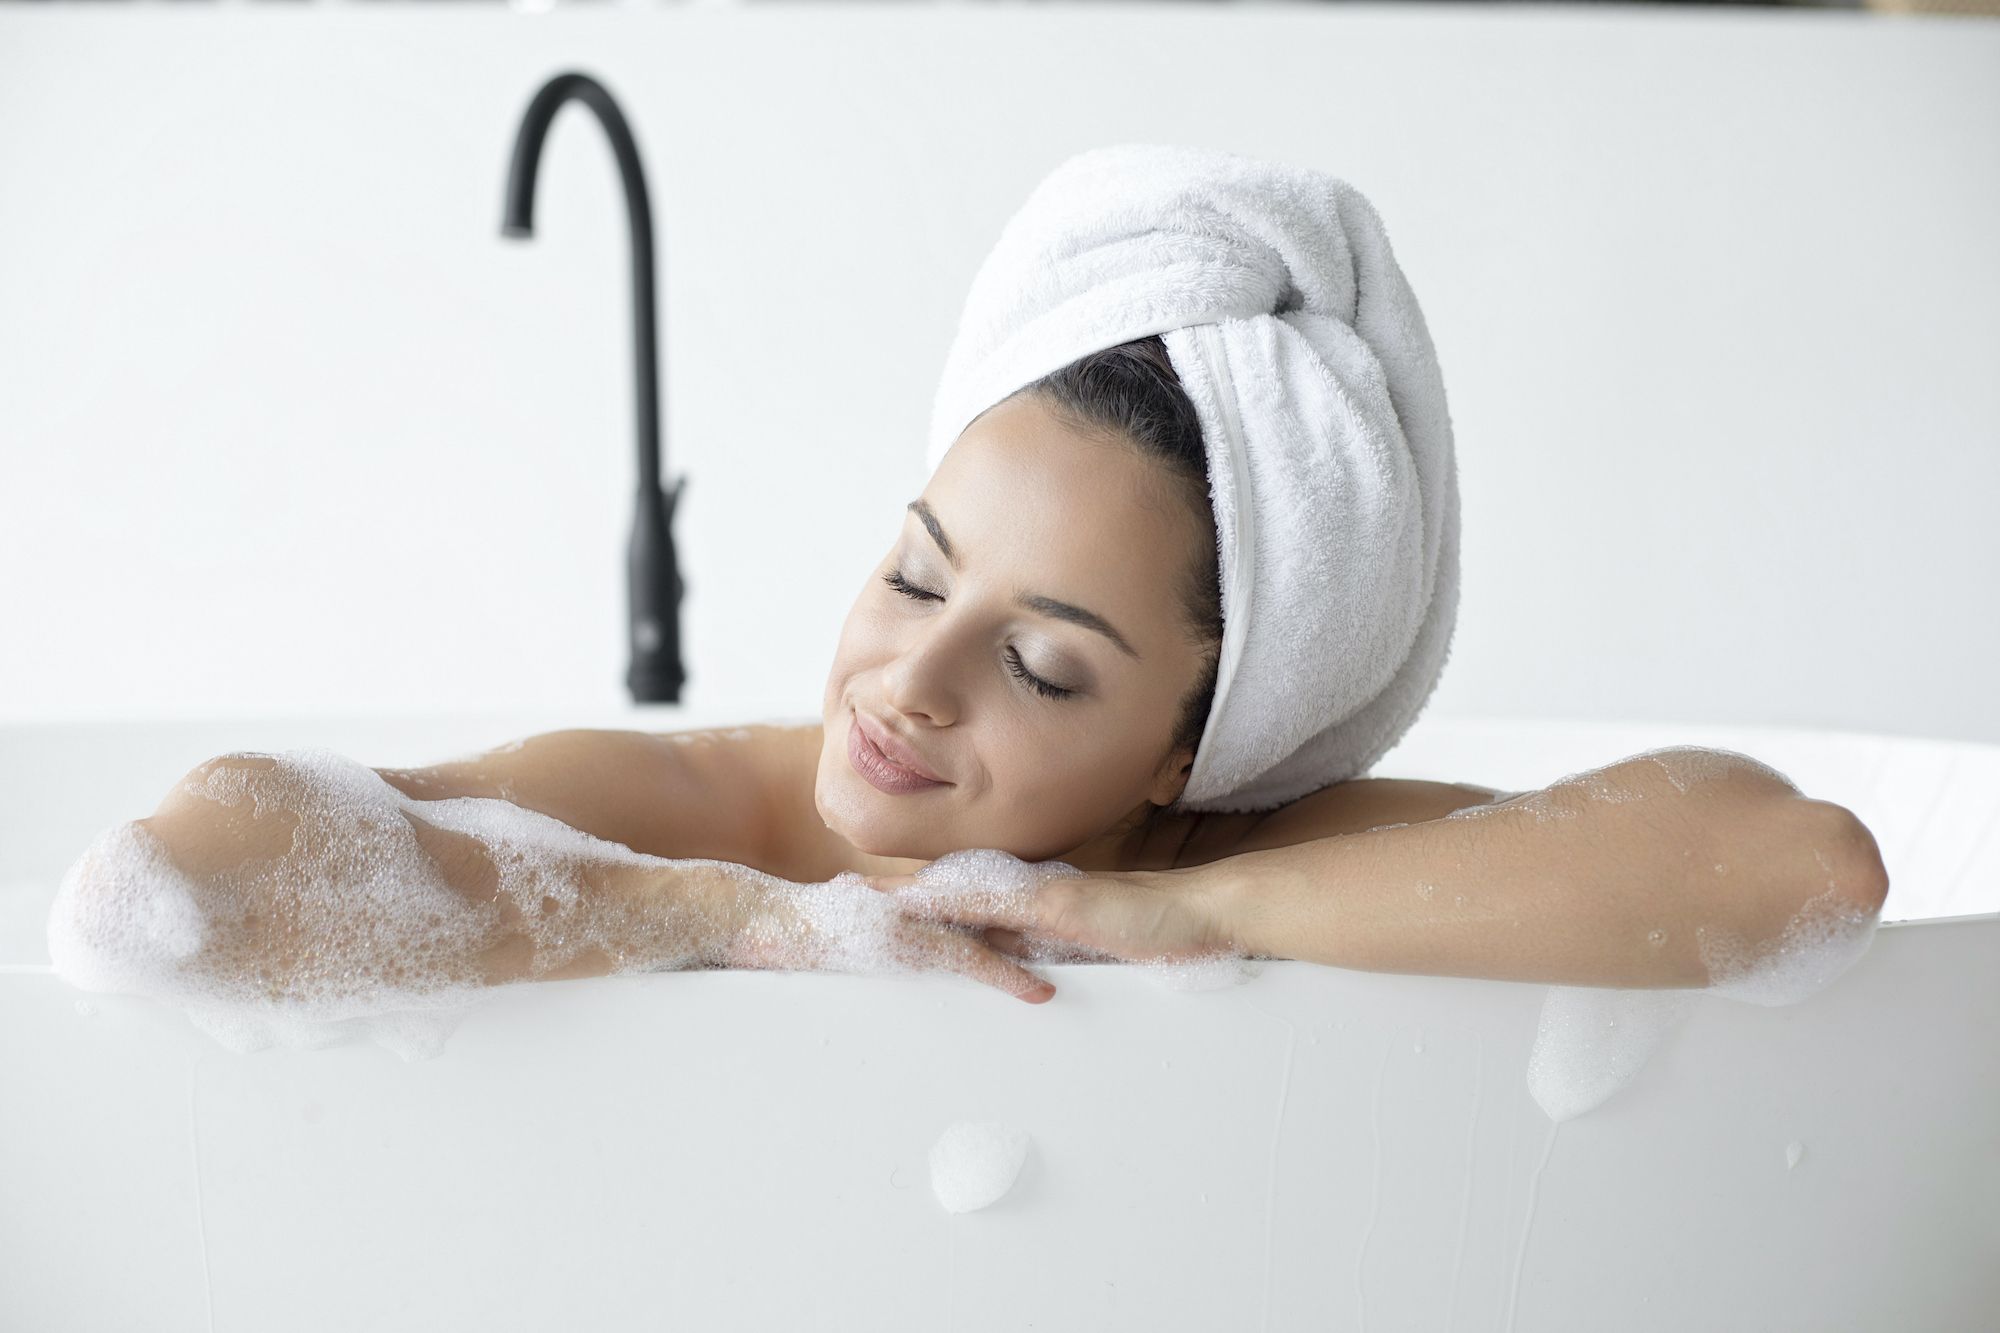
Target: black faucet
{"x": 654, "y": 587}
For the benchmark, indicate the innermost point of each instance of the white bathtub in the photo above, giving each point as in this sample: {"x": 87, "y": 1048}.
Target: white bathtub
{"x": 1319, "y": 1149}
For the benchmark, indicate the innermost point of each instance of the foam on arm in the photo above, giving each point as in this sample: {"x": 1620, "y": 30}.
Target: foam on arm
{"x": 291, "y": 898}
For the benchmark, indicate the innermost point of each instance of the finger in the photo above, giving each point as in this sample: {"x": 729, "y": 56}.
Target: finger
{"x": 1010, "y": 942}
{"x": 970, "y": 956}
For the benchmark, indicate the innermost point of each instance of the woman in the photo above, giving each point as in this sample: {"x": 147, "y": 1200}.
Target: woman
{"x": 1036, "y": 665}
{"x": 1060, "y": 736}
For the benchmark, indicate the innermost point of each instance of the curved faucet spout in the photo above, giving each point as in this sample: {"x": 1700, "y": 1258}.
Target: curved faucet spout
{"x": 655, "y": 587}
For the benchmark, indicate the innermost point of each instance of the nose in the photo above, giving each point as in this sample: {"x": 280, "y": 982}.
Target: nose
{"x": 923, "y": 679}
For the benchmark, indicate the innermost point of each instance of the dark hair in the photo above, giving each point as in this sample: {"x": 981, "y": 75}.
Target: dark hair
{"x": 1131, "y": 393}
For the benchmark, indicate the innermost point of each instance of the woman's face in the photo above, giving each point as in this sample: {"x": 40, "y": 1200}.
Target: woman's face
{"x": 1036, "y": 560}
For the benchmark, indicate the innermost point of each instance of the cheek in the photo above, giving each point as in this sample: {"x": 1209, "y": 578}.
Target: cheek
{"x": 868, "y": 639}
{"x": 860, "y": 634}
{"x": 1059, "y": 773}
{"x": 869, "y": 627}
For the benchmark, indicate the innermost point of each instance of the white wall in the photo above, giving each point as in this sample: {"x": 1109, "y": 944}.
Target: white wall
{"x": 286, "y": 427}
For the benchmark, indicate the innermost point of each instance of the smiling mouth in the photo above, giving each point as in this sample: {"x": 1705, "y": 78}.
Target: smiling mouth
{"x": 882, "y": 772}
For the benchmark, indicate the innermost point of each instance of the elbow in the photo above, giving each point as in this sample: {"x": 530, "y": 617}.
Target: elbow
{"x": 1802, "y": 857}
{"x": 1848, "y": 858}
{"x": 1811, "y": 847}
{"x": 1814, "y": 847}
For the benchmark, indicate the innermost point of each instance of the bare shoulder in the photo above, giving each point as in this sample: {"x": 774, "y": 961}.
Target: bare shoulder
{"x": 754, "y": 777}
{"x": 707, "y": 794}
{"x": 1356, "y": 807}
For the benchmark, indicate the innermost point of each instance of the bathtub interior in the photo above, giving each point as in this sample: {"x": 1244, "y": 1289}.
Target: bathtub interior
{"x": 742, "y": 1149}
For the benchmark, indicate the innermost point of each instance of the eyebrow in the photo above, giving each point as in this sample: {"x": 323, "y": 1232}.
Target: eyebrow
{"x": 1048, "y": 606}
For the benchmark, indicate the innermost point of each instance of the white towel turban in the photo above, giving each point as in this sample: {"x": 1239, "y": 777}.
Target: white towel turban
{"x": 1322, "y": 409}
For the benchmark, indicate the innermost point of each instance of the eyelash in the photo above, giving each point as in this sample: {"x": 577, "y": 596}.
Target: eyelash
{"x": 896, "y": 580}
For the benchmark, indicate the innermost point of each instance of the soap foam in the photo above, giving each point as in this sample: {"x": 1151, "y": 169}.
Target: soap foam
{"x": 1825, "y": 938}
{"x": 149, "y": 921}
{"x": 990, "y": 880}
{"x": 336, "y": 921}
{"x": 975, "y": 1162}
{"x": 1688, "y": 766}
{"x": 1592, "y": 1042}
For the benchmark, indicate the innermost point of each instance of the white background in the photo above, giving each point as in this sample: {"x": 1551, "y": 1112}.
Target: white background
{"x": 286, "y": 426}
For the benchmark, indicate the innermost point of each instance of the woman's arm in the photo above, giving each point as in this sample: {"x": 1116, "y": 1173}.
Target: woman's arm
{"x": 1600, "y": 880}
{"x": 709, "y": 795}
{"x": 299, "y": 880}
{"x": 311, "y": 876}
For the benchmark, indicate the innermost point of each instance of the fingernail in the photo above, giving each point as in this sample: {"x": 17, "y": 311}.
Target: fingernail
{"x": 1041, "y": 993}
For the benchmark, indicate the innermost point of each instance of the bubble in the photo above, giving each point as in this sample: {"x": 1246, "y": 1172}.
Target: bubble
{"x": 1544, "y": 804}
{"x": 1688, "y": 766}
{"x": 1215, "y": 972}
{"x": 132, "y": 913}
{"x": 987, "y": 879}
{"x": 1483, "y": 811}
{"x": 1822, "y": 940}
{"x": 336, "y": 920}
{"x": 1793, "y": 1151}
{"x": 1598, "y": 787}
{"x": 975, "y": 1163}
{"x": 1591, "y": 1042}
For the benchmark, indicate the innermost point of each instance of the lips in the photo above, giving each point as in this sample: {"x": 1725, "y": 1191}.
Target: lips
{"x": 887, "y": 762}
{"x": 897, "y": 751}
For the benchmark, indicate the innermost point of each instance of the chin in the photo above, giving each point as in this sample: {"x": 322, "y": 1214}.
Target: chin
{"x": 851, "y": 808}
{"x": 879, "y": 835}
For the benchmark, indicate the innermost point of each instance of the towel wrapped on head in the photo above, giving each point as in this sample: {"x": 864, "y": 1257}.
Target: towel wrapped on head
{"x": 1322, "y": 409}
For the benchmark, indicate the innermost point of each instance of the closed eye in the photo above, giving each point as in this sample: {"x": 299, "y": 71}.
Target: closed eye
{"x": 894, "y": 578}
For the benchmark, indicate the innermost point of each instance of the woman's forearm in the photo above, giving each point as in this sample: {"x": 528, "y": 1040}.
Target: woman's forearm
{"x": 1615, "y": 878}
{"x": 309, "y": 878}
{"x": 598, "y": 909}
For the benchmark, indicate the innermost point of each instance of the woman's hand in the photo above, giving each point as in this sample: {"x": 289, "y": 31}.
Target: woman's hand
{"x": 842, "y": 926}
{"x": 1130, "y": 915}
